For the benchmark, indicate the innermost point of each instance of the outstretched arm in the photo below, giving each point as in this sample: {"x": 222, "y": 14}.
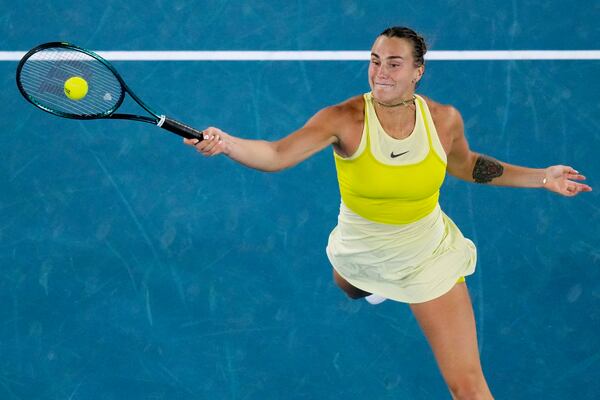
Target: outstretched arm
{"x": 479, "y": 168}
{"x": 315, "y": 135}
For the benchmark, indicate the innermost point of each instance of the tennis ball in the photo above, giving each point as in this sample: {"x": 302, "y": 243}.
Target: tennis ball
{"x": 76, "y": 88}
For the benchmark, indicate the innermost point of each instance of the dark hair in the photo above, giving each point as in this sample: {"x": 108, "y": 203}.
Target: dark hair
{"x": 418, "y": 43}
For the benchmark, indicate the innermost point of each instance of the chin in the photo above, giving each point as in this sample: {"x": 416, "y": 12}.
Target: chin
{"x": 383, "y": 96}
{"x": 387, "y": 96}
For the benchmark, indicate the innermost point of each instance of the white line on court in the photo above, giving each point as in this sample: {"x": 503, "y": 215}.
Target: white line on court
{"x": 434, "y": 55}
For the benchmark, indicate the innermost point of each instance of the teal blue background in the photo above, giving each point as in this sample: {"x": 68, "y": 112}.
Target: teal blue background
{"x": 131, "y": 267}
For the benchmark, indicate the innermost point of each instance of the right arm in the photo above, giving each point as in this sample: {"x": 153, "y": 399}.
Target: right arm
{"x": 318, "y": 133}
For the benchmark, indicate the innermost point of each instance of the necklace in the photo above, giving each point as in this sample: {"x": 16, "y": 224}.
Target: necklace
{"x": 402, "y": 103}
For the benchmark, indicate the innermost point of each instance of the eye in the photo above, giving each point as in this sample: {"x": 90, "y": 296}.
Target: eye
{"x": 376, "y": 62}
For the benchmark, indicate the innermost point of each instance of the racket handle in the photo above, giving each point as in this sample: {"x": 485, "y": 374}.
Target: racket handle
{"x": 180, "y": 129}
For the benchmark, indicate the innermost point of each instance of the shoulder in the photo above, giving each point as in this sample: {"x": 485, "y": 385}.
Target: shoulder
{"x": 331, "y": 123}
{"x": 348, "y": 109}
{"x": 445, "y": 116}
{"x": 339, "y": 118}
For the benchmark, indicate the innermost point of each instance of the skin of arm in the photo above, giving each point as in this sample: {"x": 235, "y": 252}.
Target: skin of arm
{"x": 271, "y": 156}
{"x": 478, "y": 168}
{"x": 327, "y": 126}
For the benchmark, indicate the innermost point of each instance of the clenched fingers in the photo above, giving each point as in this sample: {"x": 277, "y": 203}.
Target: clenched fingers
{"x": 211, "y": 143}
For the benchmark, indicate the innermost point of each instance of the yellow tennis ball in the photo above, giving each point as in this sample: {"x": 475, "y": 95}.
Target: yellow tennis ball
{"x": 76, "y": 88}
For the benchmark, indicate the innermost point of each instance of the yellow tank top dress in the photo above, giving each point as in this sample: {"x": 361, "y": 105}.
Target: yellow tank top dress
{"x": 392, "y": 238}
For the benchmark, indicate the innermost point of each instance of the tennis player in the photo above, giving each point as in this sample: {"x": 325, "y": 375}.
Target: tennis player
{"x": 392, "y": 149}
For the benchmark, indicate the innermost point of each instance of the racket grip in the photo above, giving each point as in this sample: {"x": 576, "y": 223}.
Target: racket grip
{"x": 180, "y": 129}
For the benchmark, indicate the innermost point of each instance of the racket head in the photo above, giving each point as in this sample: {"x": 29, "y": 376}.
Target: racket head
{"x": 43, "y": 71}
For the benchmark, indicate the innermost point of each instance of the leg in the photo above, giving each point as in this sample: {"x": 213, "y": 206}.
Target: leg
{"x": 351, "y": 291}
{"x": 449, "y": 326}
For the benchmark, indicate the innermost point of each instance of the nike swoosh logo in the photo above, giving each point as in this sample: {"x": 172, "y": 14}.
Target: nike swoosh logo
{"x": 397, "y": 155}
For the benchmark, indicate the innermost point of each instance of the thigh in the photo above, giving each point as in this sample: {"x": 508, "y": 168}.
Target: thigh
{"x": 448, "y": 323}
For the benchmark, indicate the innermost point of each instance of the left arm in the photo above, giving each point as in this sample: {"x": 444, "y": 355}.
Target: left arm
{"x": 479, "y": 168}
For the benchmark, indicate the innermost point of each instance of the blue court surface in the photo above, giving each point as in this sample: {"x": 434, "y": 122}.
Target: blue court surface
{"x": 133, "y": 268}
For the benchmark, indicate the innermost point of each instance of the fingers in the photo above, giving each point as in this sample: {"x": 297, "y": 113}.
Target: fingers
{"x": 190, "y": 142}
{"x": 211, "y": 143}
{"x": 571, "y": 173}
{"x": 574, "y": 188}
{"x": 583, "y": 188}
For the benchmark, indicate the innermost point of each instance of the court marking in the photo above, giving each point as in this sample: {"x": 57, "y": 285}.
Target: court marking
{"x": 305, "y": 55}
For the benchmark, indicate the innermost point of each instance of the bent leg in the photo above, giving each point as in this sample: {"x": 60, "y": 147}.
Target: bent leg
{"x": 351, "y": 291}
{"x": 449, "y": 326}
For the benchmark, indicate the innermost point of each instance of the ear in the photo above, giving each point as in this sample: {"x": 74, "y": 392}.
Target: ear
{"x": 419, "y": 73}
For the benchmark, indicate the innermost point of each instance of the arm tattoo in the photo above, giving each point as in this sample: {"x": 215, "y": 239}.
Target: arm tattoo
{"x": 486, "y": 169}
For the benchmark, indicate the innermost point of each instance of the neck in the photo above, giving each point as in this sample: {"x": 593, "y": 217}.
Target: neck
{"x": 400, "y": 104}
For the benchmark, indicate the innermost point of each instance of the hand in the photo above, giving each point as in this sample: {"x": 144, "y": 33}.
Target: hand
{"x": 559, "y": 179}
{"x": 215, "y": 142}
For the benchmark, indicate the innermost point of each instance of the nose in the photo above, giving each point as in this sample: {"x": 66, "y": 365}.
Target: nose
{"x": 381, "y": 72}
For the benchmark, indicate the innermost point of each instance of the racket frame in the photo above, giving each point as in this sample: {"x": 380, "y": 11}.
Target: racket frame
{"x": 161, "y": 121}
{"x": 110, "y": 113}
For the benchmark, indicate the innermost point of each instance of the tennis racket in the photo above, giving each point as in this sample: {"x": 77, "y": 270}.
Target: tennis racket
{"x": 43, "y": 71}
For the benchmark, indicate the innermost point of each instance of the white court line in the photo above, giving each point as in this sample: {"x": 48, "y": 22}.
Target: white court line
{"x": 435, "y": 55}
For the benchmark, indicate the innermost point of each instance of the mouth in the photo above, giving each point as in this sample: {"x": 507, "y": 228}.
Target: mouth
{"x": 383, "y": 84}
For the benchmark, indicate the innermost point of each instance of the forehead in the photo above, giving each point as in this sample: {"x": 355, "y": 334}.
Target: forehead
{"x": 389, "y": 47}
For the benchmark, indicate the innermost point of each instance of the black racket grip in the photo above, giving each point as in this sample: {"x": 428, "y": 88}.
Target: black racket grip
{"x": 181, "y": 129}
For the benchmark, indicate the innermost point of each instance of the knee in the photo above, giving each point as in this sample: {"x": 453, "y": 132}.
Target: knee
{"x": 469, "y": 386}
{"x": 354, "y": 295}
{"x": 353, "y": 292}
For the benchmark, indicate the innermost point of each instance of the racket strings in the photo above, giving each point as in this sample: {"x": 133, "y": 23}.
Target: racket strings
{"x": 44, "y": 74}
